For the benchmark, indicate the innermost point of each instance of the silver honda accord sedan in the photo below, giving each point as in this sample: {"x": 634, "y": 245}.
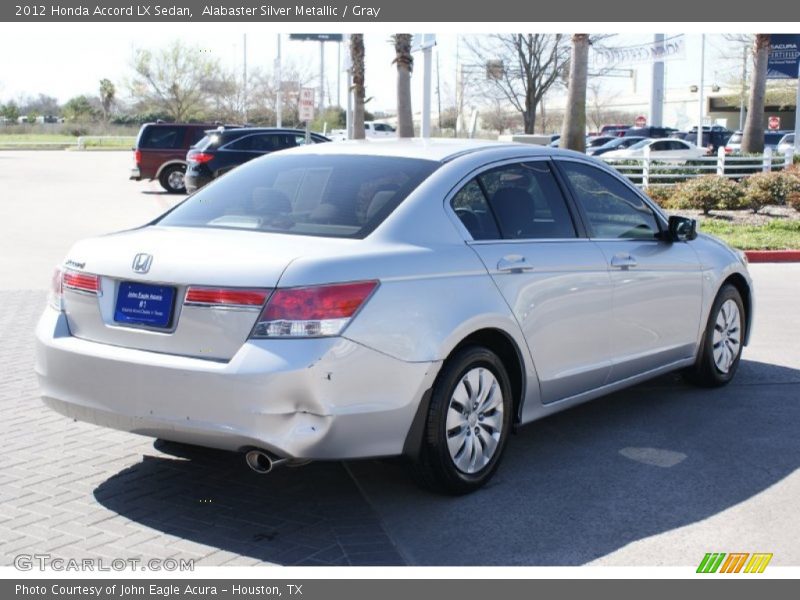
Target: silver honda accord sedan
{"x": 383, "y": 298}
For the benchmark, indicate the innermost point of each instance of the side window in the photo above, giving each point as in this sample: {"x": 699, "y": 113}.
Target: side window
{"x": 613, "y": 209}
{"x": 300, "y": 140}
{"x": 165, "y": 137}
{"x": 660, "y": 146}
{"x": 527, "y": 202}
{"x": 471, "y": 207}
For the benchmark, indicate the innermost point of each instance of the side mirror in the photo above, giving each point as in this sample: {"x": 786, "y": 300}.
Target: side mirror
{"x": 682, "y": 229}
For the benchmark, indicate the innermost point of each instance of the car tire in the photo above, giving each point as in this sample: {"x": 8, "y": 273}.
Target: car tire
{"x": 462, "y": 445}
{"x": 723, "y": 341}
{"x": 171, "y": 179}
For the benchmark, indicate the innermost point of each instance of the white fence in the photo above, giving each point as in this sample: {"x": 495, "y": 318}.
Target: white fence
{"x": 654, "y": 172}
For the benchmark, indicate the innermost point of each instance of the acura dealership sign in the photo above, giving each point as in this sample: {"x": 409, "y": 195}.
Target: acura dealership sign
{"x": 784, "y": 56}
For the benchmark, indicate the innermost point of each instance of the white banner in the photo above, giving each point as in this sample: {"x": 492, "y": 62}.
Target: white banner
{"x": 673, "y": 48}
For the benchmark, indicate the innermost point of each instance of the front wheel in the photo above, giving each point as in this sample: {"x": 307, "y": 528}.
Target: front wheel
{"x": 723, "y": 340}
{"x": 171, "y": 179}
{"x": 469, "y": 419}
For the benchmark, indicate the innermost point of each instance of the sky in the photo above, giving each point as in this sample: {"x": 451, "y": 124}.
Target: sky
{"x": 64, "y": 60}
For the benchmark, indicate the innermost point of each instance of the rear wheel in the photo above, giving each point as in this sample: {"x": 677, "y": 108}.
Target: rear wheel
{"x": 723, "y": 341}
{"x": 469, "y": 419}
{"x": 171, "y": 179}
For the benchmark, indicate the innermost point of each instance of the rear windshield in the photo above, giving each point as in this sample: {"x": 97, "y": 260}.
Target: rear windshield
{"x": 736, "y": 138}
{"x": 305, "y": 194}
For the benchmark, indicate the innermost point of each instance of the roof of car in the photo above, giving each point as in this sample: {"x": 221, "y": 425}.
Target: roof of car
{"x": 436, "y": 149}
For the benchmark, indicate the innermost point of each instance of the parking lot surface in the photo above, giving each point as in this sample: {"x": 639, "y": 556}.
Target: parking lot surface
{"x": 656, "y": 475}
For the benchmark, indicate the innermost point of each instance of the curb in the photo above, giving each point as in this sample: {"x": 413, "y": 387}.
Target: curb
{"x": 772, "y": 256}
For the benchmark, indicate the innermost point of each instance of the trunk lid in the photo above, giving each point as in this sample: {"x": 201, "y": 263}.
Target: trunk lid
{"x": 180, "y": 258}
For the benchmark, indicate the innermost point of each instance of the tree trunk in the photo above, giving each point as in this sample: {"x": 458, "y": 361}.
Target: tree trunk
{"x": 405, "y": 63}
{"x": 753, "y": 135}
{"x": 357, "y": 58}
{"x": 573, "y": 133}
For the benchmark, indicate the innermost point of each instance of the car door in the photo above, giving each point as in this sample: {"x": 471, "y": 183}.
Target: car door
{"x": 555, "y": 281}
{"x": 657, "y": 283}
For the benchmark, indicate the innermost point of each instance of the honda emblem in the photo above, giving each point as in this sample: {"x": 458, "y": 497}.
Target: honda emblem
{"x": 142, "y": 262}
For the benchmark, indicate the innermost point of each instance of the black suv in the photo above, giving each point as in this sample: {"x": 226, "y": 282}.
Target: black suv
{"x": 223, "y": 149}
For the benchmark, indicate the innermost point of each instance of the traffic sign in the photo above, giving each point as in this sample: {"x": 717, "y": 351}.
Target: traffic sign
{"x": 306, "y": 104}
{"x": 640, "y": 121}
{"x": 774, "y": 123}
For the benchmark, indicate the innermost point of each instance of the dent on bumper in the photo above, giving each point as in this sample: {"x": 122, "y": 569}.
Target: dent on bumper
{"x": 326, "y": 398}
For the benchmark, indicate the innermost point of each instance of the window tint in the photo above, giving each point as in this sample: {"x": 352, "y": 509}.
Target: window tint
{"x": 471, "y": 207}
{"x": 527, "y": 202}
{"x": 613, "y": 209}
{"x": 264, "y": 142}
{"x": 197, "y": 134}
{"x": 333, "y": 196}
{"x": 161, "y": 137}
{"x": 659, "y": 146}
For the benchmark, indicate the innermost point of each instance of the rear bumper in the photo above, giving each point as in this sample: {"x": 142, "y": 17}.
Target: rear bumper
{"x": 194, "y": 181}
{"x": 136, "y": 174}
{"x": 327, "y": 398}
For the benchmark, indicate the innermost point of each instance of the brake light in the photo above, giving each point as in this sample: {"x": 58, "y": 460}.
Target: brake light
{"x": 81, "y": 282}
{"x": 318, "y": 311}
{"x": 137, "y": 157}
{"x": 200, "y": 157}
{"x": 225, "y": 297}
{"x": 56, "y": 289}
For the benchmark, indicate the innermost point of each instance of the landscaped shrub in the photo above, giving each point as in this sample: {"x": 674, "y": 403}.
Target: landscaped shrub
{"x": 661, "y": 195}
{"x": 764, "y": 189}
{"x": 793, "y": 200}
{"x": 708, "y": 193}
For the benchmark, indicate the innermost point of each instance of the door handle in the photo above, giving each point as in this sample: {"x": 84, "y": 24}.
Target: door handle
{"x": 623, "y": 261}
{"x": 514, "y": 263}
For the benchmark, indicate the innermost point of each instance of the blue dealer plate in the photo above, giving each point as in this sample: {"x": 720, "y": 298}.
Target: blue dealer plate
{"x": 141, "y": 304}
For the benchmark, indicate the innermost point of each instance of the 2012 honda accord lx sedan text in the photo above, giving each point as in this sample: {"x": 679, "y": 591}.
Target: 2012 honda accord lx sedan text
{"x": 380, "y": 298}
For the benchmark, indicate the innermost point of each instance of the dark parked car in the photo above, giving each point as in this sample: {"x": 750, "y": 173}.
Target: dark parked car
{"x": 617, "y": 143}
{"x": 714, "y": 136}
{"x": 223, "y": 149}
{"x": 650, "y": 132}
{"x": 160, "y": 152}
{"x": 615, "y": 130}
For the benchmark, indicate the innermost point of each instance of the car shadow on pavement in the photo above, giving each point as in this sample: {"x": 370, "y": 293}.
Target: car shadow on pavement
{"x": 573, "y": 487}
{"x": 584, "y": 483}
{"x": 312, "y": 515}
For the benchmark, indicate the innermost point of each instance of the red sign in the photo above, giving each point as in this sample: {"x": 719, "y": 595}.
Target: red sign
{"x": 640, "y": 121}
{"x": 774, "y": 122}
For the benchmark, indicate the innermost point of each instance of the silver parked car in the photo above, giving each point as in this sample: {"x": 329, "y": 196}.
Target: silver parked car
{"x": 382, "y": 298}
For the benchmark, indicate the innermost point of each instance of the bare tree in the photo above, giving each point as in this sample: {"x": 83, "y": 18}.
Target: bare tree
{"x": 573, "y": 132}
{"x": 753, "y": 135}
{"x": 497, "y": 118}
{"x": 173, "y": 80}
{"x": 521, "y": 68}
{"x": 405, "y": 64}
{"x": 359, "y": 92}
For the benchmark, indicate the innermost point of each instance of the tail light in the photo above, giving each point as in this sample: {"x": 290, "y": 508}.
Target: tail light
{"x": 231, "y": 297}
{"x": 318, "y": 311}
{"x": 56, "y": 290}
{"x": 137, "y": 157}
{"x": 81, "y": 282}
{"x": 199, "y": 157}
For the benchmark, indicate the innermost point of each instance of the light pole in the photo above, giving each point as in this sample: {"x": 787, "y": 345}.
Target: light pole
{"x": 701, "y": 90}
{"x": 279, "y": 96}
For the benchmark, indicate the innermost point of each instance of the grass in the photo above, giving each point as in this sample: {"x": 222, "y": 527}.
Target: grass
{"x": 775, "y": 235}
{"x": 25, "y": 141}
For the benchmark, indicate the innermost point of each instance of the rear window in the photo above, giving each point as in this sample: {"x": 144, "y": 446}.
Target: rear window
{"x": 303, "y": 194}
{"x": 736, "y": 138}
{"x": 161, "y": 136}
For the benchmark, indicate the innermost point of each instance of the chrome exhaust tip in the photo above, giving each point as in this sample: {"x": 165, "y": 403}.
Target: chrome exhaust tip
{"x": 262, "y": 461}
{"x": 259, "y": 461}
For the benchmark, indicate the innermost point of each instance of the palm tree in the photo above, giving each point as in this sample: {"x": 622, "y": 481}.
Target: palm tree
{"x": 107, "y": 95}
{"x": 357, "y": 59}
{"x": 573, "y": 134}
{"x": 405, "y": 64}
{"x": 753, "y": 135}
